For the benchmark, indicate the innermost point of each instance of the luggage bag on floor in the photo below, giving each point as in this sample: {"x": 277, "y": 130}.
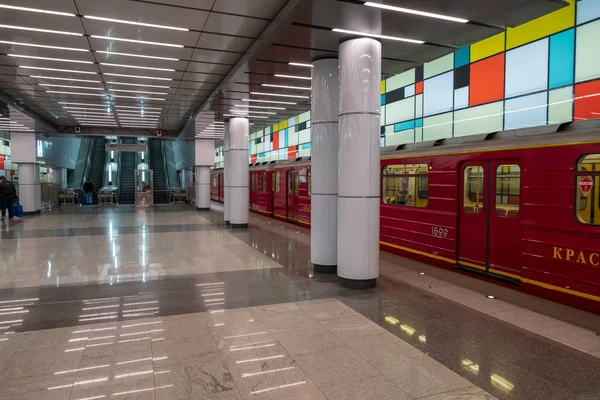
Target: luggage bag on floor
{"x": 18, "y": 210}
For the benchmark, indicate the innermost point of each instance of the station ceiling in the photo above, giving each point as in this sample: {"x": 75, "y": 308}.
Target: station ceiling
{"x": 183, "y": 66}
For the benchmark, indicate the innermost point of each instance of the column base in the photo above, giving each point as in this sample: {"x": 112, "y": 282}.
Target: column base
{"x": 227, "y": 223}
{"x": 239, "y": 226}
{"x": 202, "y": 209}
{"x": 358, "y": 283}
{"x": 325, "y": 269}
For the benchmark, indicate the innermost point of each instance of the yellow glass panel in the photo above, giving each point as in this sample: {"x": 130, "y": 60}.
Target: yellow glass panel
{"x": 283, "y": 124}
{"x": 297, "y": 119}
{"x": 487, "y": 47}
{"x": 541, "y": 27}
{"x": 382, "y": 87}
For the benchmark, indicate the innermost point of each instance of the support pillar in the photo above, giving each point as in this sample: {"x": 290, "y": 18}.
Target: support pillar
{"x": 204, "y": 152}
{"x": 226, "y": 175}
{"x": 60, "y": 177}
{"x": 30, "y": 194}
{"x": 238, "y": 158}
{"x": 358, "y": 173}
{"x": 324, "y": 165}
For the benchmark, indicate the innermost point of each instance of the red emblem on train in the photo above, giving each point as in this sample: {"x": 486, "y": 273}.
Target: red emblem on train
{"x": 585, "y": 185}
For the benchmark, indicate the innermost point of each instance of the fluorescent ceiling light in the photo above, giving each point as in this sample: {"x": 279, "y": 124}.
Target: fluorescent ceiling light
{"x": 26, "y": 28}
{"x": 77, "y": 93}
{"x": 95, "y": 112}
{"x": 137, "y": 76}
{"x": 37, "y": 10}
{"x": 136, "y": 112}
{"x": 373, "y": 35}
{"x": 138, "y": 67}
{"x": 50, "y": 59}
{"x": 149, "y": 119}
{"x": 121, "y": 21}
{"x": 265, "y": 107}
{"x": 138, "y": 84}
{"x": 252, "y": 111}
{"x": 83, "y": 104}
{"x": 242, "y": 116}
{"x": 63, "y": 79}
{"x": 137, "y": 97}
{"x": 139, "y": 125}
{"x": 83, "y": 108}
{"x": 41, "y": 46}
{"x": 136, "y": 41}
{"x": 295, "y": 64}
{"x": 279, "y": 95}
{"x": 270, "y": 101}
{"x": 137, "y": 55}
{"x": 416, "y": 12}
{"x": 59, "y": 70}
{"x": 135, "y": 91}
{"x": 307, "y": 78}
{"x": 148, "y": 108}
{"x": 96, "y": 124}
{"x": 69, "y": 86}
{"x": 286, "y": 87}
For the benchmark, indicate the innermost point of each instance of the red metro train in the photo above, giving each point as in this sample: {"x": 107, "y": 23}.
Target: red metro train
{"x": 521, "y": 208}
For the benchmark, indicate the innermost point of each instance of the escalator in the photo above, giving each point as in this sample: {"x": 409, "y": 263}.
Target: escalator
{"x": 127, "y": 183}
{"x": 98, "y": 166}
{"x": 157, "y": 166}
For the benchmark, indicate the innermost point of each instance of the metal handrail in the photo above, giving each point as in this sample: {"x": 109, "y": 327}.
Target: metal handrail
{"x": 88, "y": 162}
{"x": 165, "y": 164}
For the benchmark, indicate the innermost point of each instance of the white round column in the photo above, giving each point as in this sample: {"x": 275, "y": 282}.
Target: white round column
{"x": 29, "y": 188}
{"x": 59, "y": 177}
{"x": 358, "y": 162}
{"x": 203, "y": 188}
{"x": 324, "y": 165}
{"x": 226, "y": 176}
{"x": 238, "y": 158}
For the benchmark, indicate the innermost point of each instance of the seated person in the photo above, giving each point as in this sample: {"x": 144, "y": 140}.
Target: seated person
{"x": 146, "y": 187}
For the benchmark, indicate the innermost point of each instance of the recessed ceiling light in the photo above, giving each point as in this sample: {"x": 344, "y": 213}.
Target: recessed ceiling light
{"x": 137, "y": 41}
{"x": 219, "y": 122}
{"x": 137, "y": 67}
{"x": 136, "y": 112}
{"x": 246, "y": 116}
{"x": 306, "y": 78}
{"x": 87, "y": 112}
{"x": 416, "y": 12}
{"x": 77, "y": 93}
{"x": 138, "y": 76}
{"x": 421, "y": 273}
{"x": 82, "y": 104}
{"x": 135, "y": 91}
{"x": 69, "y": 86}
{"x": 97, "y": 124}
{"x": 139, "y": 84}
{"x": 50, "y": 59}
{"x": 295, "y": 64}
{"x": 63, "y": 79}
{"x": 26, "y": 28}
{"x": 41, "y": 46}
{"x": 279, "y": 95}
{"x": 59, "y": 70}
{"x": 96, "y": 121}
{"x": 137, "y": 55}
{"x": 264, "y": 107}
{"x": 270, "y": 101}
{"x": 121, "y": 21}
{"x": 144, "y": 107}
{"x": 37, "y": 10}
{"x": 148, "y": 119}
{"x": 252, "y": 111}
{"x": 373, "y": 35}
{"x": 491, "y": 297}
{"x": 84, "y": 108}
{"x": 137, "y": 97}
{"x": 286, "y": 87}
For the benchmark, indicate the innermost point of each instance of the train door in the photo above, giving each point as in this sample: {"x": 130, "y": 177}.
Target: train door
{"x": 489, "y": 220}
{"x": 290, "y": 193}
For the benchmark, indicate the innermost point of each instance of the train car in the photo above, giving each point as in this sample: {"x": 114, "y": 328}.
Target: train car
{"x": 515, "y": 207}
{"x": 292, "y": 192}
{"x": 216, "y": 185}
{"x": 261, "y": 189}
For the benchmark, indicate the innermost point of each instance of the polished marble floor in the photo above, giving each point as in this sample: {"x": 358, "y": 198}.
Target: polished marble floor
{"x": 206, "y": 312}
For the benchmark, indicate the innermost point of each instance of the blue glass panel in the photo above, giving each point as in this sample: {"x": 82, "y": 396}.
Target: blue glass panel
{"x": 419, "y": 123}
{"x": 461, "y": 56}
{"x": 383, "y": 99}
{"x": 402, "y": 126}
{"x": 526, "y": 111}
{"x": 306, "y": 146}
{"x": 562, "y": 58}
{"x": 587, "y": 10}
{"x": 527, "y": 69}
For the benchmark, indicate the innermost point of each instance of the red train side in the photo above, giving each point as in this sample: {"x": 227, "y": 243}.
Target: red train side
{"x": 519, "y": 210}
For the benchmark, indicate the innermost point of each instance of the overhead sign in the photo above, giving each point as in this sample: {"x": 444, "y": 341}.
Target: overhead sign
{"x": 124, "y": 147}
{"x": 585, "y": 185}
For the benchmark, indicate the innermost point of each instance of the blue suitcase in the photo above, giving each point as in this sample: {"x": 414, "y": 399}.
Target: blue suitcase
{"x": 18, "y": 210}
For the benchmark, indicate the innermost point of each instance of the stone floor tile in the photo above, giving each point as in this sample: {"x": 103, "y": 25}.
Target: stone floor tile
{"x": 170, "y": 352}
{"x": 468, "y": 393}
{"x": 288, "y": 321}
{"x": 41, "y": 362}
{"x": 37, "y": 387}
{"x": 181, "y": 327}
{"x": 324, "y": 309}
{"x": 270, "y": 355}
{"x": 578, "y": 338}
{"x": 352, "y": 325}
{"x": 307, "y": 340}
{"x": 380, "y": 388}
{"x": 381, "y": 348}
{"x": 60, "y": 337}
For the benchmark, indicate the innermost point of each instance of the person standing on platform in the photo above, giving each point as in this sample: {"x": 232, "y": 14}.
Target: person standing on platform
{"x": 88, "y": 188}
{"x": 8, "y": 194}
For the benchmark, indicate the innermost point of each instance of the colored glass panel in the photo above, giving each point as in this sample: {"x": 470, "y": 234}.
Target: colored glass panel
{"x": 587, "y": 10}
{"x": 560, "y": 105}
{"x": 402, "y": 126}
{"x": 399, "y": 138}
{"x": 419, "y": 123}
{"x": 382, "y": 87}
{"x": 562, "y": 58}
{"x": 527, "y": 69}
{"x": 409, "y": 90}
{"x": 291, "y": 152}
{"x": 438, "y": 94}
{"x": 587, "y": 100}
{"x": 461, "y": 98}
{"x": 438, "y": 66}
{"x": 419, "y": 87}
{"x": 526, "y": 111}
{"x": 400, "y": 111}
{"x": 487, "y": 80}
{"x": 488, "y": 47}
{"x": 481, "y": 119}
{"x": 437, "y": 127}
{"x": 383, "y": 99}
{"x": 401, "y": 80}
{"x": 461, "y": 56}
{"x": 587, "y": 59}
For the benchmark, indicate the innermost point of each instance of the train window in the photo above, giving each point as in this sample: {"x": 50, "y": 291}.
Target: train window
{"x": 264, "y": 181}
{"x": 508, "y": 190}
{"x": 214, "y": 180}
{"x": 309, "y": 183}
{"x": 297, "y": 183}
{"x": 277, "y": 181}
{"x": 290, "y": 179}
{"x": 254, "y": 183}
{"x": 473, "y": 189}
{"x": 406, "y": 185}
{"x": 587, "y": 197}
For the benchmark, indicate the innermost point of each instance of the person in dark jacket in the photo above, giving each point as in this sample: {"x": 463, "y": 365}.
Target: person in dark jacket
{"x": 8, "y": 194}
{"x": 88, "y": 188}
